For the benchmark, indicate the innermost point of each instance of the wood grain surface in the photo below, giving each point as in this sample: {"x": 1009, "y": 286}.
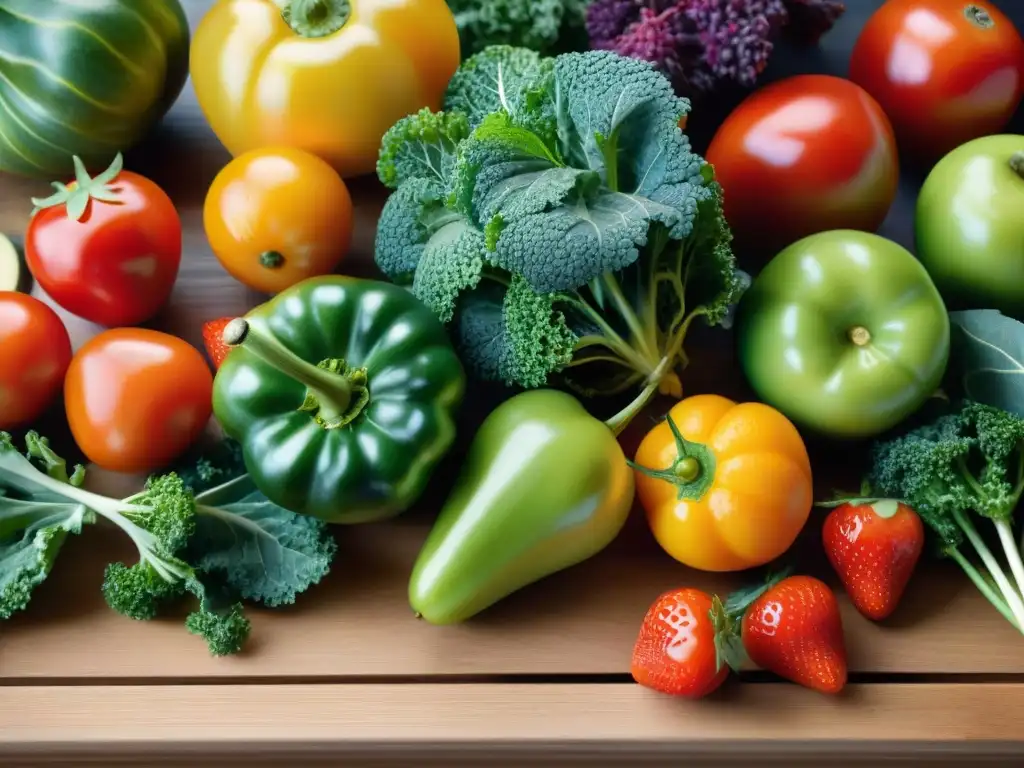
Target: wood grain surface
{"x": 349, "y": 671}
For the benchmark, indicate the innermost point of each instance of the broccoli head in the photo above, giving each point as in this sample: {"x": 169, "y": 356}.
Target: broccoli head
{"x": 571, "y": 236}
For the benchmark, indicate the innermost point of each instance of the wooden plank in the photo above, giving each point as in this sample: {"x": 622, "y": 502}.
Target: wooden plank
{"x": 357, "y": 623}
{"x": 522, "y": 721}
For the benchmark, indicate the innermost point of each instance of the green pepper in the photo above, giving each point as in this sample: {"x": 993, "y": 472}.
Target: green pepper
{"x": 344, "y": 395}
{"x": 845, "y": 333}
{"x": 544, "y": 486}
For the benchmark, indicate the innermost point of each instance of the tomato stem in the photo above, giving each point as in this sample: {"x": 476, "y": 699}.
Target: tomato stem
{"x": 859, "y": 335}
{"x": 979, "y": 16}
{"x": 1017, "y": 163}
{"x": 316, "y": 18}
{"x": 76, "y": 195}
{"x": 272, "y": 259}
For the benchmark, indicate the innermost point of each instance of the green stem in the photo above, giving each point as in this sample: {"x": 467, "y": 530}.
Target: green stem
{"x": 272, "y": 259}
{"x": 1017, "y": 163}
{"x": 984, "y": 587}
{"x": 1013, "y": 599}
{"x": 332, "y": 392}
{"x": 316, "y": 18}
{"x": 621, "y": 420}
{"x": 979, "y": 16}
{"x": 1012, "y": 554}
{"x": 614, "y": 341}
{"x": 628, "y": 315}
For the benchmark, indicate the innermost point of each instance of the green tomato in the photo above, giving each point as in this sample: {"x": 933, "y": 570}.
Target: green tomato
{"x": 969, "y": 225}
{"x": 844, "y": 333}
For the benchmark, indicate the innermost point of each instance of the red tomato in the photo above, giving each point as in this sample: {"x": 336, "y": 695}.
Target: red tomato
{"x": 106, "y": 249}
{"x": 806, "y": 154}
{"x": 136, "y": 399}
{"x": 35, "y": 352}
{"x": 944, "y": 71}
{"x": 675, "y": 652}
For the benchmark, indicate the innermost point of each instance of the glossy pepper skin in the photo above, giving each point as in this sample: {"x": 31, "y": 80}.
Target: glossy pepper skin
{"x": 343, "y": 393}
{"x": 726, "y": 486}
{"x": 845, "y": 333}
{"x": 326, "y": 76}
{"x": 544, "y": 486}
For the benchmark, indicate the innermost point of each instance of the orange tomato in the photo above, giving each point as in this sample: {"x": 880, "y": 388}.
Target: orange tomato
{"x": 35, "y": 352}
{"x": 136, "y": 399}
{"x": 277, "y": 216}
{"x": 730, "y": 490}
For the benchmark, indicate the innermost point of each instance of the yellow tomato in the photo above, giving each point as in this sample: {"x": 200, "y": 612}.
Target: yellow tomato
{"x": 729, "y": 488}
{"x": 326, "y": 76}
{"x": 276, "y": 216}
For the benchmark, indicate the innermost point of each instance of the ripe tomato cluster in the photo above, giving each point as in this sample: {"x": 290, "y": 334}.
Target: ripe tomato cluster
{"x": 814, "y": 153}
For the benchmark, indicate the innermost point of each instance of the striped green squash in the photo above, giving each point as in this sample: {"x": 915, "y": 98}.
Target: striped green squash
{"x": 85, "y": 77}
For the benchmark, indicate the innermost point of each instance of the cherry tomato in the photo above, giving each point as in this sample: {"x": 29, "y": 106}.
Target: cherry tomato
{"x": 944, "y": 71}
{"x": 277, "y": 216}
{"x": 106, "y": 249}
{"x": 35, "y": 351}
{"x": 806, "y": 154}
{"x": 136, "y": 399}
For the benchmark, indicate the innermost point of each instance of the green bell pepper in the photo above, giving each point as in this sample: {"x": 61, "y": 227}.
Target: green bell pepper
{"x": 845, "y": 333}
{"x": 344, "y": 395}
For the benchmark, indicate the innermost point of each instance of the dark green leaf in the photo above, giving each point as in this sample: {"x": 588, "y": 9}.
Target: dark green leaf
{"x": 987, "y": 358}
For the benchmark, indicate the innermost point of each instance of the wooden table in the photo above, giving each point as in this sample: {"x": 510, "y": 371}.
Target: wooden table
{"x": 544, "y": 676}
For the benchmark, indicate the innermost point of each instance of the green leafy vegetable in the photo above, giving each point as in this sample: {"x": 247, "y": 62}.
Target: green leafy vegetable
{"x": 556, "y": 218}
{"x": 220, "y": 546}
{"x": 965, "y": 465}
{"x": 987, "y": 358}
{"x": 543, "y": 25}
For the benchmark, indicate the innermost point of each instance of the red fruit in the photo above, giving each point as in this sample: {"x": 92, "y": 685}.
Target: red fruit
{"x": 215, "y": 346}
{"x": 675, "y": 652}
{"x": 794, "y": 630}
{"x": 874, "y": 547}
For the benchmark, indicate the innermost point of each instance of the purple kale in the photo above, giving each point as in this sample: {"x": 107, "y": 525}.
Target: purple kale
{"x": 703, "y": 45}
{"x": 810, "y": 19}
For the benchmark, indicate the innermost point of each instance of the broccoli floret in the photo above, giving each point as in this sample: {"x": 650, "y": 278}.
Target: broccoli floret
{"x": 542, "y": 25}
{"x": 224, "y": 632}
{"x": 421, "y": 146}
{"x": 581, "y": 235}
{"x": 967, "y": 462}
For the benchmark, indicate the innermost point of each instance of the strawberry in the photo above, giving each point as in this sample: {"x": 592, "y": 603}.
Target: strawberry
{"x": 676, "y": 652}
{"x": 874, "y": 546}
{"x": 792, "y": 627}
{"x": 215, "y": 346}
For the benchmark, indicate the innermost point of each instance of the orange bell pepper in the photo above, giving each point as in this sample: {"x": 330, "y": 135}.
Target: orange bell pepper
{"x": 326, "y": 76}
{"x": 725, "y": 486}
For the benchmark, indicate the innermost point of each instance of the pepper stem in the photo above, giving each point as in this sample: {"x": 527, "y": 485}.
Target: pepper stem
{"x": 1017, "y": 163}
{"x": 692, "y": 471}
{"x": 335, "y": 395}
{"x": 316, "y": 18}
{"x": 978, "y": 15}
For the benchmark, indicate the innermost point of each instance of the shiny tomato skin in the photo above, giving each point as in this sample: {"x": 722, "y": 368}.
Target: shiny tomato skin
{"x": 943, "y": 73}
{"x": 35, "y": 352}
{"x": 136, "y": 399}
{"x": 276, "y": 216}
{"x": 806, "y": 154}
{"x": 115, "y": 266}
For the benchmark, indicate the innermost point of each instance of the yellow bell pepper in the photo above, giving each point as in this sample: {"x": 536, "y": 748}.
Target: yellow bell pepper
{"x": 725, "y": 486}
{"x": 326, "y": 76}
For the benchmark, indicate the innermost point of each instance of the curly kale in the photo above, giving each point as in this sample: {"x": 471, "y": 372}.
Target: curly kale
{"x": 547, "y": 26}
{"x": 965, "y": 464}
{"x": 222, "y": 545}
{"x": 701, "y": 45}
{"x": 572, "y": 236}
